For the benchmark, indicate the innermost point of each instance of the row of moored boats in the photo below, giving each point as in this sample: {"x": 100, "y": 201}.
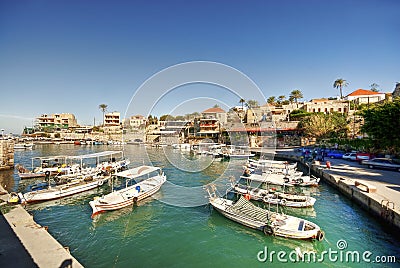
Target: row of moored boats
{"x": 68, "y": 175}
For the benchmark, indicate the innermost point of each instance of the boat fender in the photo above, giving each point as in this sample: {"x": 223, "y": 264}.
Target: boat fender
{"x": 247, "y": 196}
{"x": 47, "y": 173}
{"x": 286, "y": 179}
{"x": 283, "y": 201}
{"x": 268, "y": 230}
{"x": 300, "y": 181}
{"x": 101, "y": 182}
{"x": 320, "y": 235}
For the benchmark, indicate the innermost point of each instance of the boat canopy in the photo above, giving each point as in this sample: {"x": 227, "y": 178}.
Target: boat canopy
{"x": 95, "y": 155}
{"x": 136, "y": 172}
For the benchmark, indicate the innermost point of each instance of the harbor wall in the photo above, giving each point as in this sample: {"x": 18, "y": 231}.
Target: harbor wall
{"x": 6, "y": 154}
{"x": 376, "y": 205}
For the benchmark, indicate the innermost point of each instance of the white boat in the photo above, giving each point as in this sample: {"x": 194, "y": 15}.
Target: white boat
{"x": 266, "y": 164}
{"x": 271, "y": 223}
{"x": 232, "y": 151}
{"x": 64, "y": 164}
{"x": 273, "y": 197}
{"x": 23, "y": 146}
{"x": 282, "y": 179}
{"x": 78, "y": 185}
{"x": 152, "y": 180}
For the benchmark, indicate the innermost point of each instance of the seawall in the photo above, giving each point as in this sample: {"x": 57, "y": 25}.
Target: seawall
{"x": 373, "y": 200}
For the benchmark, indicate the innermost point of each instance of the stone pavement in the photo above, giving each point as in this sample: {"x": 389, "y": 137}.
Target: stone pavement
{"x": 24, "y": 243}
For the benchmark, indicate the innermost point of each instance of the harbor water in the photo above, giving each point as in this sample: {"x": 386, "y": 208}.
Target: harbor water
{"x": 159, "y": 233}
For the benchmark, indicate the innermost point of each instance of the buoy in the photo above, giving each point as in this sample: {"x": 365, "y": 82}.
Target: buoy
{"x": 328, "y": 164}
{"x": 247, "y": 196}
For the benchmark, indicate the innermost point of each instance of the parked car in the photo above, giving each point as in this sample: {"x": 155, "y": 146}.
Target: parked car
{"x": 350, "y": 156}
{"x": 360, "y": 156}
{"x": 385, "y": 163}
{"x": 335, "y": 154}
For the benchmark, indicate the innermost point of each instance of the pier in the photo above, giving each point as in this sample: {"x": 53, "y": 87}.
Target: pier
{"x": 377, "y": 193}
{"x": 24, "y": 243}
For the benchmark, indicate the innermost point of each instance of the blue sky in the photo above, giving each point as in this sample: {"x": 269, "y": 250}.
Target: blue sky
{"x": 71, "y": 56}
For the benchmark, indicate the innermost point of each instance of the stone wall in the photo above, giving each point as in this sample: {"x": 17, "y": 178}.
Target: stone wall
{"x": 6, "y": 154}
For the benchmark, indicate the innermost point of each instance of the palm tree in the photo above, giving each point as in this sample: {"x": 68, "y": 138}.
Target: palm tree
{"x": 296, "y": 94}
{"x": 339, "y": 84}
{"x": 281, "y": 98}
{"x": 271, "y": 100}
{"x": 374, "y": 87}
{"x": 103, "y": 108}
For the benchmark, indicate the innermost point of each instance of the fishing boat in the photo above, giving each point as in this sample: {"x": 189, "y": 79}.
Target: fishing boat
{"x": 77, "y": 185}
{"x": 78, "y": 179}
{"x": 151, "y": 179}
{"x": 232, "y": 151}
{"x": 23, "y": 146}
{"x": 271, "y": 223}
{"x": 274, "y": 197}
{"x": 64, "y": 164}
{"x": 266, "y": 165}
{"x": 282, "y": 179}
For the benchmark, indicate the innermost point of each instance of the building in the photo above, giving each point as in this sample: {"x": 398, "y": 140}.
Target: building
{"x": 215, "y": 113}
{"x": 325, "y": 106}
{"x": 364, "y": 96}
{"x": 137, "y": 121}
{"x": 112, "y": 119}
{"x": 56, "y": 121}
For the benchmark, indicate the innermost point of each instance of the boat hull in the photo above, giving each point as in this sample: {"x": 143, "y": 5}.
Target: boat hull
{"x": 121, "y": 202}
{"x": 61, "y": 191}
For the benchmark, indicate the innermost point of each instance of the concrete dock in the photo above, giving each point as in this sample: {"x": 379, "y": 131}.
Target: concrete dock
{"x": 376, "y": 191}
{"x": 24, "y": 243}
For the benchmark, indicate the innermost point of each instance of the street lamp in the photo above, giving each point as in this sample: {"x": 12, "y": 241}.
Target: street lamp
{"x": 2, "y": 133}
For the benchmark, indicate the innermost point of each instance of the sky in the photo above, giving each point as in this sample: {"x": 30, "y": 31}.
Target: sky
{"x": 69, "y": 56}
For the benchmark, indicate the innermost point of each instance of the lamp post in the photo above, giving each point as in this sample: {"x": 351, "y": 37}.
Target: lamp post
{"x": 2, "y": 133}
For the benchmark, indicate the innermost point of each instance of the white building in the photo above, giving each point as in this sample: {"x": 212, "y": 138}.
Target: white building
{"x": 365, "y": 96}
{"x": 135, "y": 121}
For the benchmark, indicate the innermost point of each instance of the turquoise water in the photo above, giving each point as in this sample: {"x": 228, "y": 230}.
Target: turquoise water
{"x": 156, "y": 233}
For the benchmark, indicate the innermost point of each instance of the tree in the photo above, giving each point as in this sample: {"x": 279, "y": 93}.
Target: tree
{"x": 166, "y": 117}
{"x": 216, "y": 106}
{"x": 242, "y": 101}
{"x": 271, "y": 100}
{"x": 374, "y": 87}
{"x": 103, "y": 108}
{"x": 380, "y": 123}
{"x": 296, "y": 95}
{"x": 320, "y": 125}
{"x": 252, "y": 103}
{"x": 282, "y": 98}
{"x": 339, "y": 84}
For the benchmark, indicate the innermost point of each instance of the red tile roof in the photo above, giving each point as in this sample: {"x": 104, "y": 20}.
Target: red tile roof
{"x": 214, "y": 110}
{"x": 360, "y": 92}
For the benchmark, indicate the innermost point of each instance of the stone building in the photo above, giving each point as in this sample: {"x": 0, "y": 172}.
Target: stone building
{"x": 326, "y": 106}
{"x": 112, "y": 119}
{"x": 56, "y": 121}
